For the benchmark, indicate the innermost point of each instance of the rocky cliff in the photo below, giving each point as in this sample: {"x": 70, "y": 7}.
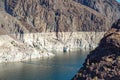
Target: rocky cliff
{"x": 45, "y": 25}
{"x": 64, "y": 19}
{"x": 12, "y": 45}
{"x": 104, "y": 61}
{"x": 109, "y": 8}
{"x": 56, "y": 16}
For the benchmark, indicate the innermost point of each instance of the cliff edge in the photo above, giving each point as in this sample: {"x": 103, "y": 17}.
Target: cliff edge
{"x": 103, "y": 62}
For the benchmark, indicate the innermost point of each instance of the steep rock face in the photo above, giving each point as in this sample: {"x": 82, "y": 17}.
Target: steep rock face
{"x": 10, "y": 25}
{"x": 109, "y": 8}
{"x": 64, "y": 18}
{"x": 12, "y": 46}
{"x": 56, "y": 16}
{"x": 104, "y": 61}
{"x": 43, "y": 25}
{"x": 12, "y": 50}
{"x": 67, "y": 40}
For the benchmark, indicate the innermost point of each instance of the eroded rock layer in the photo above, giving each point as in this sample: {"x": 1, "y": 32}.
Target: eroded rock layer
{"x": 12, "y": 45}
{"x": 40, "y": 26}
{"x": 109, "y": 8}
{"x": 18, "y": 44}
{"x": 56, "y": 16}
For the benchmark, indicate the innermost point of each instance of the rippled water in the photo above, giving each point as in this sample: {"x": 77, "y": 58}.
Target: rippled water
{"x": 61, "y": 67}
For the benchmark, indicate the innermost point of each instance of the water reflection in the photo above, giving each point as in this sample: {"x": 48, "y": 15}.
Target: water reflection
{"x": 61, "y": 67}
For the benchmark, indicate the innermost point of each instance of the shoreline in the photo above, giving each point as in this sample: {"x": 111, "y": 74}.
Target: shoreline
{"x": 36, "y": 45}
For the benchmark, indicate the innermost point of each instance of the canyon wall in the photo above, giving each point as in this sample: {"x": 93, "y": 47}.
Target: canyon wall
{"x": 67, "y": 22}
{"x": 66, "y": 40}
{"x": 103, "y": 63}
{"x": 40, "y": 26}
{"x": 56, "y": 16}
{"x": 109, "y": 8}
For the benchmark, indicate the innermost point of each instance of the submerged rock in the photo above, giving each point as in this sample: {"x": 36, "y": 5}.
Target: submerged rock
{"x": 104, "y": 61}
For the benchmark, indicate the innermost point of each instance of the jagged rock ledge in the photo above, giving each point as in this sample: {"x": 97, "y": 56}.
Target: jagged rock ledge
{"x": 103, "y": 63}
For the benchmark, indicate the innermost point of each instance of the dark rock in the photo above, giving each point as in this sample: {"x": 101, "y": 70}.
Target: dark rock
{"x": 103, "y": 62}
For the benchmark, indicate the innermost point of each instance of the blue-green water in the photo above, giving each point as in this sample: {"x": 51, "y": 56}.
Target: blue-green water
{"x": 61, "y": 67}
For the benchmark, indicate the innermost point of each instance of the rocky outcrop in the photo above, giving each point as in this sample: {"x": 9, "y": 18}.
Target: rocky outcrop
{"x": 12, "y": 45}
{"x": 44, "y": 25}
{"x": 109, "y": 8}
{"x": 69, "y": 17}
{"x": 10, "y": 25}
{"x": 104, "y": 61}
{"x": 56, "y": 16}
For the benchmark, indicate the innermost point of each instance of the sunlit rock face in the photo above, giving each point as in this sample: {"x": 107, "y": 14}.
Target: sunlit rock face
{"x": 12, "y": 45}
{"x": 67, "y": 40}
{"x": 104, "y": 61}
{"x": 44, "y": 25}
{"x": 13, "y": 51}
{"x": 56, "y": 16}
{"x": 67, "y": 23}
{"x": 109, "y": 8}
{"x": 59, "y": 17}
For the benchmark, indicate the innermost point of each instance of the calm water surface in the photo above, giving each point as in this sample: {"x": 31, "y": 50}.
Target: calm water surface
{"x": 61, "y": 67}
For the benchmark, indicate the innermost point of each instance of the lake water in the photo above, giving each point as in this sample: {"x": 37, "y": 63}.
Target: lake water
{"x": 63, "y": 66}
